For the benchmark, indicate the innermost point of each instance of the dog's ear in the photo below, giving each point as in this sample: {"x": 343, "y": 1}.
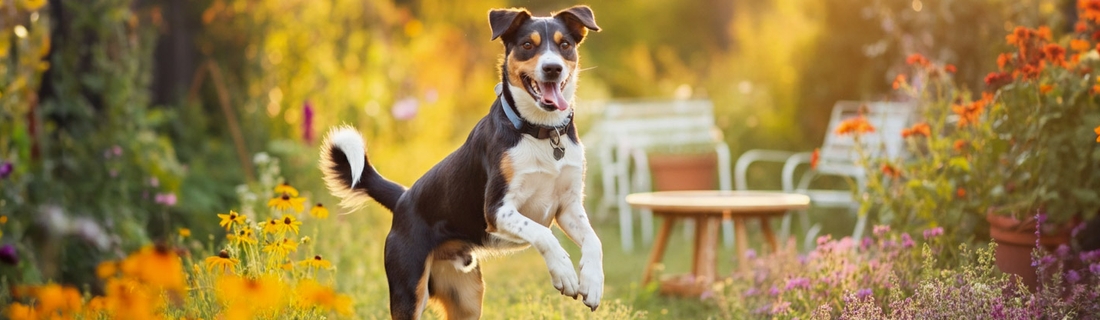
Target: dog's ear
{"x": 503, "y": 21}
{"x": 579, "y": 20}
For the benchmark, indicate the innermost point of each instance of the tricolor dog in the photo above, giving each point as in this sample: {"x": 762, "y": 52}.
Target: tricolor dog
{"x": 520, "y": 170}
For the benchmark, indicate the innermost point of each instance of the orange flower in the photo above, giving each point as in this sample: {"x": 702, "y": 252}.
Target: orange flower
{"x": 996, "y": 80}
{"x": 1003, "y": 60}
{"x": 969, "y": 113}
{"x": 1097, "y": 130}
{"x": 950, "y": 68}
{"x": 917, "y": 58}
{"x": 1018, "y": 36}
{"x": 1091, "y": 9}
{"x": 816, "y": 156}
{"x": 899, "y": 81}
{"x": 1080, "y": 27}
{"x": 890, "y": 171}
{"x": 959, "y": 145}
{"x": 921, "y": 129}
{"x": 960, "y": 192}
{"x": 1044, "y": 33}
{"x": 1056, "y": 54}
{"x": 1080, "y": 45}
{"x": 1095, "y": 89}
{"x": 857, "y": 125}
{"x": 1046, "y": 88}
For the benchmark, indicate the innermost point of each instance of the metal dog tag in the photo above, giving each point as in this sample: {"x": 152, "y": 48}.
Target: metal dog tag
{"x": 555, "y": 142}
{"x": 559, "y": 152}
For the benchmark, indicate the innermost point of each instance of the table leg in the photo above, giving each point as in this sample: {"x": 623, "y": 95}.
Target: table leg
{"x": 768, "y": 234}
{"x": 742, "y": 241}
{"x": 706, "y": 251}
{"x": 659, "y": 245}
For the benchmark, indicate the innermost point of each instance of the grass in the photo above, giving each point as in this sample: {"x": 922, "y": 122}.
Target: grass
{"x": 518, "y": 285}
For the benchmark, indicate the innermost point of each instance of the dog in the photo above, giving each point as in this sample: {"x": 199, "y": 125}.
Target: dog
{"x": 520, "y": 170}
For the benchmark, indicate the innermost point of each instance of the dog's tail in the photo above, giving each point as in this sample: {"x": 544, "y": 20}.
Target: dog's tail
{"x": 348, "y": 173}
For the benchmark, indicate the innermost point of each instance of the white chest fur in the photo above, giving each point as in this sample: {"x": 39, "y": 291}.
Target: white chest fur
{"x": 540, "y": 185}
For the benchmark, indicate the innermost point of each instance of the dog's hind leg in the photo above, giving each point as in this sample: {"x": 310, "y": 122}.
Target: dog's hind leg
{"x": 407, "y": 266}
{"x": 459, "y": 293}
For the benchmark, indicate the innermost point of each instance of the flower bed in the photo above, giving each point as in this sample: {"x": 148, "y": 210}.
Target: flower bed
{"x": 898, "y": 276}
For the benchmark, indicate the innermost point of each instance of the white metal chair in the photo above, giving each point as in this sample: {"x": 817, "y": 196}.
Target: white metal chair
{"x": 627, "y": 129}
{"x": 837, "y": 157}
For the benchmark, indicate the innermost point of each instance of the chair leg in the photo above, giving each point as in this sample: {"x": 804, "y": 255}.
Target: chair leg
{"x": 785, "y": 227}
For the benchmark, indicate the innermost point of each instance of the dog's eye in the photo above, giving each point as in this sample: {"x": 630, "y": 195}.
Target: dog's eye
{"x": 565, "y": 45}
{"x": 528, "y": 45}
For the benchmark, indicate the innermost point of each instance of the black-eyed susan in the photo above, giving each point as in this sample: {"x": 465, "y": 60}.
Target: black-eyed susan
{"x": 228, "y": 219}
{"x": 316, "y": 263}
{"x": 244, "y": 294}
{"x": 221, "y": 262}
{"x": 243, "y": 236}
{"x": 289, "y": 223}
{"x": 311, "y": 293}
{"x": 184, "y": 232}
{"x": 272, "y": 226}
{"x": 319, "y": 211}
{"x": 284, "y": 188}
{"x": 287, "y": 202}
{"x": 281, "y": 247}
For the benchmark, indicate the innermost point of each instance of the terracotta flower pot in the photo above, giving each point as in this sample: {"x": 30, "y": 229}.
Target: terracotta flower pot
{"x": 1015, "y": 241}
{"x": 684, "y": 171}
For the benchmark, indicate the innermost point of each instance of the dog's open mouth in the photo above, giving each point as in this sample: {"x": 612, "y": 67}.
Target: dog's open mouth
{"x": 548, "y": 94}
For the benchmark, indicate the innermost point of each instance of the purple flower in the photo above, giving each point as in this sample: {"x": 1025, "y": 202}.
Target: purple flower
{"x": 774, "y": 291}
{"x": 781, "y": 308}
{"x": 405, "y": 109}
{"x": 1062, "y": 251}
{"x": 798, "y": 283}
{"x": 8, "y": 255}
{"x": 866, "y": 243}
{"x": 863, "y": 293}
{"x": 880, "y": 231}
{"x": 932, "y": 233}
{"x": 751, "y": 292}
{"x": 167, "y": 199}
{"x": 116, "y": 150}
{"x": 1046, "y": 260}
{"x": 1095, "y": 269}
{"x": 6, "y": 169}
{"x": 1089, "y": 256}
{"x": 907, "y": 241}
{"x": 1072, "y": 276}
{"x": 750, "y": 254}
{"x": 307, "y": 122}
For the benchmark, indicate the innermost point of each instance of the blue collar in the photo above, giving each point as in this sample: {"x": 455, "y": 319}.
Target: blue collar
{"x": 512, "y": 116}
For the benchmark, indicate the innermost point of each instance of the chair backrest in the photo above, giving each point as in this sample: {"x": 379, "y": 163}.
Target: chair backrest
{"x": 651, "y": 123}
{"x": 838, "y": 155}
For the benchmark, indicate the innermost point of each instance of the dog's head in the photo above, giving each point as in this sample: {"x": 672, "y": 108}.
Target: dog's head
{"x": 540, "y": 59}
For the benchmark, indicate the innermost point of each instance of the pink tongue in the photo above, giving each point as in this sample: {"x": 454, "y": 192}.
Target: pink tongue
{"x": 551, "y": 95}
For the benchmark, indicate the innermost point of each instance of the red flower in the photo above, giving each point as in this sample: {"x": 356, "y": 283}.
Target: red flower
{"x": 996, "y": 80}
{"x": 959, "y": 145}
{"x": 960, "y": 192}
{"x": 890, "y": 171}
{"x": 1091, "y": 9}
{"x": 920, "y": 129}
{"x": 1056, "y": 54}
{"x": 950, "y": 68}
{"x": 899, "y": 81}
{"x": 917, "y": 58}
{"x": 857, "y": 125}
{"x": 814, "y": 158}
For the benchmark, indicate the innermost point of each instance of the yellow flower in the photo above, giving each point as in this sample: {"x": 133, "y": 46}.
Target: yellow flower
{"x": 310, "y": 293}
{"x": 319, "y": 211}
{"x": 53, "y": 298}
{"x": 184, "y": 232}
{"x": 286, "y": 202}
{"x": 106, "y": 269}
{"x": 286, "y": 189}
{"x": 287, "y": 266}
{"x": 31, "y": 5}
{"x": 3, "y": 219}
{"x": 156, "y": 265}
{"x": 261, "y": 292}
{"x": 229, "y": 219}
{"x": 317, "y": 263}
{"x": 221, "y": 261}
{"x": 288, "y": 223}
{"x": 243, "y": 236}
{"x": 282, "y": 247}
{"x": 305, "y": 240}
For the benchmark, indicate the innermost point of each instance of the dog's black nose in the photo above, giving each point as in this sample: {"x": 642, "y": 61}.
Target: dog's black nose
{"x": 551, "y": 70}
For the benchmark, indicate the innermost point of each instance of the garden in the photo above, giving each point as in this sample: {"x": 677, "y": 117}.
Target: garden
{"x": 159, "y": 159}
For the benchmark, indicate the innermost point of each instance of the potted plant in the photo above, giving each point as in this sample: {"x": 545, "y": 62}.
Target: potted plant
{"x": 683, "y": 167}
{"x": 1022, "y": 154}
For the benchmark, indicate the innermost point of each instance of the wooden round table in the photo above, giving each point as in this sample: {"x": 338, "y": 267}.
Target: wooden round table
{"x": 707, "y": 208}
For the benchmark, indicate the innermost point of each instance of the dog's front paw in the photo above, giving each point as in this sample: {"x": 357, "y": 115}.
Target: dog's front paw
{"x": 563, "y": 276}
{"x": 591, "y": 283}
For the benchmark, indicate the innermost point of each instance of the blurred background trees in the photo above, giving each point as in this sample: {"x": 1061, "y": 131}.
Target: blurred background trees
{"x": 142, "y": 115}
